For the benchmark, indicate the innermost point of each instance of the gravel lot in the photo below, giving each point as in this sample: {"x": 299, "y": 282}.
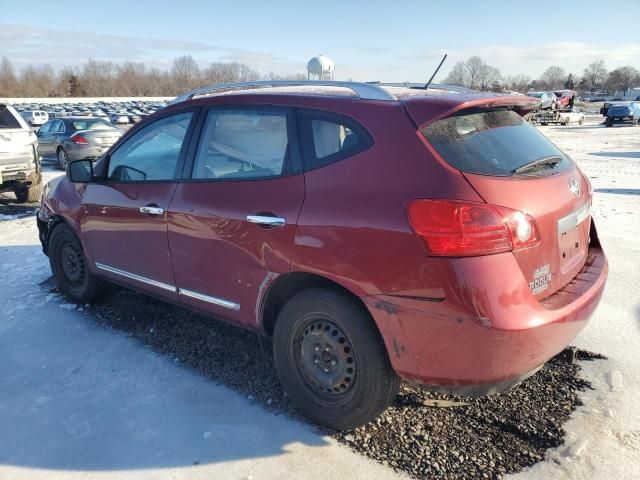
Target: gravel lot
{"x": 474, "y": 438}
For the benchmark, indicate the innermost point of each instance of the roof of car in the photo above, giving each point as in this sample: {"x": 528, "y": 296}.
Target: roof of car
{"x": 444, "y": 96}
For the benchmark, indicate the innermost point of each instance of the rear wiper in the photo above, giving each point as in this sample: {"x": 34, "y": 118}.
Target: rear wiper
{"x": 549, "y": 161}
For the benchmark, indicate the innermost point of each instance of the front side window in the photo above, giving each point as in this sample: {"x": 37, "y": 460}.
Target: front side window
{"x": 243, "y": 144}
{"x": 328, "y": 138}
{"x": 152, "y": 153}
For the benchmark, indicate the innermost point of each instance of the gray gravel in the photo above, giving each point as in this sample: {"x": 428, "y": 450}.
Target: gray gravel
{"x": 485, "y": 438}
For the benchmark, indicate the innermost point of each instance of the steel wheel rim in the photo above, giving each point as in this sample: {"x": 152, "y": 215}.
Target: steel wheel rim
{"x": 72, "y": 264}
{"x": 327, "y": 359}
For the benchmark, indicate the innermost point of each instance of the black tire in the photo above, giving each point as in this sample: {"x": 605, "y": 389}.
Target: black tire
{"x": 581, "y": 121}
{"x": 31, "y": 194}
{"x": 69, "y": 267}
{"x": 566, "y": 121}
{"x": 63, "y": 160}
{"x": 609, "y": 123}
{"x": 349, "y": 381}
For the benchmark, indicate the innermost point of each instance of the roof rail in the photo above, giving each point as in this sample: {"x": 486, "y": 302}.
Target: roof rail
{"x": 366, "y": 91}
{"x": 432, "y": 86}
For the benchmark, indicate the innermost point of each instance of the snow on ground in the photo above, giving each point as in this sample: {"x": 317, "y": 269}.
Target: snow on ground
{"x": 78, "y": 400}
{"x": 603, "y": 437}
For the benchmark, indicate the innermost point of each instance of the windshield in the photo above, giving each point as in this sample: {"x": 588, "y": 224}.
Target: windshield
{"x": 490, "y": 142}
{"x": 535, "y": 94}
{"x": 96, "y": 124}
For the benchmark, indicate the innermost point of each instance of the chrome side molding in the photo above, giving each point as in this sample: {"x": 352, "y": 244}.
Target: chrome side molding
{"x": 137, "y": 278}
{"x": 181, "y": 291}
{"x": 209, "y": 299}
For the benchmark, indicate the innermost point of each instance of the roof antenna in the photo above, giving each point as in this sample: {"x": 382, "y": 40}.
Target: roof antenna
{"x": 436, "y": 72}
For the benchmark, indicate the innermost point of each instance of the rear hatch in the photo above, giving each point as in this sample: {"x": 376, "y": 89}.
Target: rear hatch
{"x": 510, "y": 164}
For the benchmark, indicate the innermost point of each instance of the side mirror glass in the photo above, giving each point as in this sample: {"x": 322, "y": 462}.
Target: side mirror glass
{"x": 80, "y": 171}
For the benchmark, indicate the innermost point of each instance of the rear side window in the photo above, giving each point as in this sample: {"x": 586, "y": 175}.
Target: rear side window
{"x": 243, "y": 144}
{"x": 327, "y": 138}
{"x": 7, "y": 120}
{"x": 490, "y": 142}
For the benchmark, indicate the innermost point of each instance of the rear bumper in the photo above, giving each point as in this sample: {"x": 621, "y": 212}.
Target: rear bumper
{"x": 489, "y": 332}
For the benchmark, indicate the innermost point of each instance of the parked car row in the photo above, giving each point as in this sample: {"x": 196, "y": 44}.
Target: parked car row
{"x": 118, "y": 113}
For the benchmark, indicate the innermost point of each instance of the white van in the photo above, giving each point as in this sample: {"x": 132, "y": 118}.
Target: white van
{"x": 35, "y": 118}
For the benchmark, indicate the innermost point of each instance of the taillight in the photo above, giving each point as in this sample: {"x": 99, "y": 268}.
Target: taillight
{"x": 79, "y": 139}
{"x": 452, "y": 228}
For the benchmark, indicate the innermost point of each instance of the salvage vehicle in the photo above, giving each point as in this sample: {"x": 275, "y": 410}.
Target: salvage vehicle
{"x": 76, "y": 138}
{"x": 548, "y": 100}
{"x": 623, "y": 113}
{"x": 375, "y": 233}
{"x": 19, "y": 160}
{"x": 564, "y": 98}
{"x": 560, "y": 117}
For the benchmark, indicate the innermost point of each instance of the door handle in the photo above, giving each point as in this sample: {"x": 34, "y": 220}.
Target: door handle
{"x": 152, "y": 210}
{"x": 266, "y": 220}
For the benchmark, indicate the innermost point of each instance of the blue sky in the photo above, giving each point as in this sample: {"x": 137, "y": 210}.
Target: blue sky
{"x": 370, "y": 40}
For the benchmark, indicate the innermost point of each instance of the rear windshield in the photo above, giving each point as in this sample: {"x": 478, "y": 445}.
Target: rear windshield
{"x": 91, "y": 125}
{"x": 490, "y": 142}
{"x": 7, "y": 119}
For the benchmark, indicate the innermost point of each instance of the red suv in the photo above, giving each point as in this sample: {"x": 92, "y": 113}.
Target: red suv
{"x": 376, "y": 233}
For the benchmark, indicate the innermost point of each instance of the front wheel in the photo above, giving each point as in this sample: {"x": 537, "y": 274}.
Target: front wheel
{"x": 581, "y": 121}
{"x": 331, "y": 360}
{"x": 69, "y": 267}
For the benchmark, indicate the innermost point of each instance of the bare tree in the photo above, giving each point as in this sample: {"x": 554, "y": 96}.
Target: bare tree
{"x": 518, "y": 83}
{"x": 622, "y": 79}
{"x": 489, "y": 78}
{"x": 553, "y": 77}
{"x": 475, "y": 67}
{"x": 595, "y": 74}
{"x": 457, "y": 75}
{"x": 186, "y": 73}
{"x": 8, "y": 79}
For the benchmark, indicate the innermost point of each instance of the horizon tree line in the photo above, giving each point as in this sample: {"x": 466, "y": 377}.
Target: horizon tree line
{"x": 109, "y": 79}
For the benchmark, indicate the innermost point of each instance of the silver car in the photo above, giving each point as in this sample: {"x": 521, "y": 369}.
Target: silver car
{"x": 76, "y": 138}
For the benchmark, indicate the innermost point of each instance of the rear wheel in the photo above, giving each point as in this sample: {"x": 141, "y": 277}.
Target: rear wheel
{"x": 609, "y": 122}
{"x": 69, "y": 267}
{"x": 62, "y": 158}
{"x": 581, "y": 121}
{"x": 331, "y": 360}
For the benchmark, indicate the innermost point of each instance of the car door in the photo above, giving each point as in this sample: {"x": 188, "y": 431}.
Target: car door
{"x": 124, "y": 216}
{"x": 56, "y": 134}
{"x": 232, "y": 221}
{"x": 44, "y": 138}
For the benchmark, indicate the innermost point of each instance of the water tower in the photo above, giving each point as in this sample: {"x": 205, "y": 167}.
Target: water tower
{"x": 320, "y": 68}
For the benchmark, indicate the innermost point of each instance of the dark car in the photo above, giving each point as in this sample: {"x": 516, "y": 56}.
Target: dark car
{"x": 375, "y": 233}
{"x": 76, "y": 138}
{"x": 623, "y": 113}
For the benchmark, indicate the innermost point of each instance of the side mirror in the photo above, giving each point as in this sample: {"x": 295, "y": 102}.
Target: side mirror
{"x": 80, "y": 171}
